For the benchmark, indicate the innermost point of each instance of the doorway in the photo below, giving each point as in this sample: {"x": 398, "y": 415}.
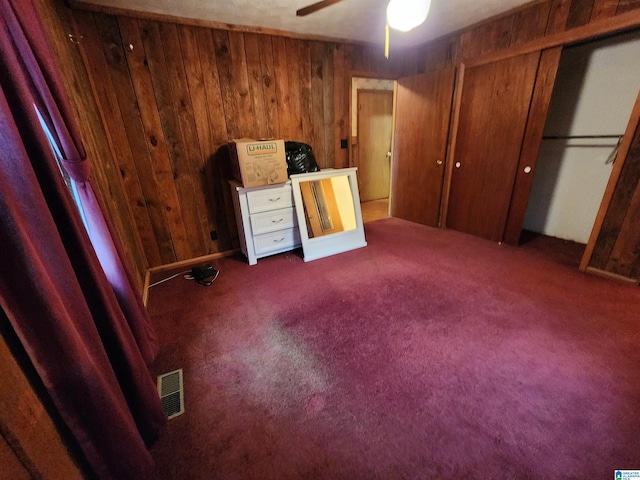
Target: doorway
{"x": 372, "y": 127}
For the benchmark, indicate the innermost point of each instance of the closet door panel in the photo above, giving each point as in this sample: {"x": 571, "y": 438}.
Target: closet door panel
{"x": 492, "y": 116}
{"x": 421, "y": 131}
{"x": 545, "y": 81}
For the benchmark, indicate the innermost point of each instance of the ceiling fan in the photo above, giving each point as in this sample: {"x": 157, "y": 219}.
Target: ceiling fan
{"x": 402, "y": 15}
{"x": 314, "y": 7}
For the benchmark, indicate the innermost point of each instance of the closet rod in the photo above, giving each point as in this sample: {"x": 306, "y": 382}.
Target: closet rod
{"x": 568, "y": 137}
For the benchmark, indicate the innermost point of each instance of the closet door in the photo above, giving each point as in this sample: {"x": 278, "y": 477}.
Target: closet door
{"x": 421, "y": 130}
{"x": 491, "y": 119}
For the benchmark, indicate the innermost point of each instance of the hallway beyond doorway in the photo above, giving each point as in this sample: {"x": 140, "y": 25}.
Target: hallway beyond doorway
{"x": 375, "y": 210}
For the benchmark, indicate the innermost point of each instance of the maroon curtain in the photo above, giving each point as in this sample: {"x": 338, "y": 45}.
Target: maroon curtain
{"x": 74, "y": 308}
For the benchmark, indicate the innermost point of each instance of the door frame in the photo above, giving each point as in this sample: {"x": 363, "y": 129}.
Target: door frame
{"x": 458, "y": 85}
{"x": 392, "y": 92}
{"x": 621, "y": 158}
{"x": 352, "y": 145}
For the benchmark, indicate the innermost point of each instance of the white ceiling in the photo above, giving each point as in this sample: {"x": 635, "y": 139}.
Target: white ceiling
{"x": 357, "y": 20}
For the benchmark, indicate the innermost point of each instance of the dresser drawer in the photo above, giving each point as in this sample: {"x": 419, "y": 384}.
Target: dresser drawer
{"x": 271, "y": 221}
{"x": 270, "y": 199}
{"x": 281, "y": 240}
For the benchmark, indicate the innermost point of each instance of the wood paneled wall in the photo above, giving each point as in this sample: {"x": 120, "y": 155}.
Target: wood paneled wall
{"x": 530, "y": 22}
{"x": 157, "y": 101}
{"x": 170, "y": 96}
{"x": 617, "y": 247}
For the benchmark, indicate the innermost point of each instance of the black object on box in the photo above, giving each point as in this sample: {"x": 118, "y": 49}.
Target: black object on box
{"x": 300, "y": 158}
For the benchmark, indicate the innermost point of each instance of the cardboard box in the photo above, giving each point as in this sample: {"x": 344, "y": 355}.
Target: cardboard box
{"x": 257, "y": 163}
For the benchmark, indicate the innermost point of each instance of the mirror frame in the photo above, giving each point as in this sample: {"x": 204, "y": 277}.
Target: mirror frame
{"x": 326, "y": 245}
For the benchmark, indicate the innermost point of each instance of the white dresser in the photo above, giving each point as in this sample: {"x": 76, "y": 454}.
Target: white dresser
{"x": 266, "y": 218}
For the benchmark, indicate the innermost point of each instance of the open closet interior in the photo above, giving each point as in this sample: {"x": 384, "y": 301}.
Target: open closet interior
{"x": 593, "y": 97}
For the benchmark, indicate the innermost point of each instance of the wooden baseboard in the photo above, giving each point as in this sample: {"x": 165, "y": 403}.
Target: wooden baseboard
{"x": 182, "y": 263}
{"x": 145, "y": 288}
{"x": 611, "y": 276}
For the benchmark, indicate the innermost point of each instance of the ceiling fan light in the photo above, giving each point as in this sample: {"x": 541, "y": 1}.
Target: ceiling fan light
{"x": 405, "y": 15}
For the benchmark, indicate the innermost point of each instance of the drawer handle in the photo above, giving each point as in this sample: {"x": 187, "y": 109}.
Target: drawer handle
{"x": 274, "y": 199}
{"x": 278, "y": 240}
{"x": 277, "y": 221}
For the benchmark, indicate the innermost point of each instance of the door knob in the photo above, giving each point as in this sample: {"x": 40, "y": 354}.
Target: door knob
{"x": 527, "y": 169}
{"x": 458, "y": 164}
{"x": 439, "y": 162}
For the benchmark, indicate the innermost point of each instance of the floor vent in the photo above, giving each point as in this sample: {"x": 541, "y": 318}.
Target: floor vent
{"x": 171, "y": 393}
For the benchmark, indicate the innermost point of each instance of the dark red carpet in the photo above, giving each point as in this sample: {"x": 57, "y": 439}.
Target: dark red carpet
{"x": 428, "y": 354}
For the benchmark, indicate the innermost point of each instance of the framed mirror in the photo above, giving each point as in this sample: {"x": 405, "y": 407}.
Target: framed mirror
{"x": 328, "y": 211}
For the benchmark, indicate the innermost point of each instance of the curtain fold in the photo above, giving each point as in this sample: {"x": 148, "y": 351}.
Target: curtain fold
{"x": 73, "y": 305}
{"x": 49, "y": 97}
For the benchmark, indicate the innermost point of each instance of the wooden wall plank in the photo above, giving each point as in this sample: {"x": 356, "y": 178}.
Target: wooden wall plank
{"x": 11, "y": 466}
{"x": 530, "y": 23}
{"x": 375, "y": 61}
{"x": 294, "y": 57}
{"x": 558, "y": 16}
{"x": 280, "y": 65}
{"x": 160, "y": 162}
{"x": 497, "y": 35}
{"x": 167, "y": 100}
{"x": 213, "y": 92}
{"x": 408, "y": 61}
{"x": 256, "y": 91}
{"x": 187, "y": 162}
{"x": 306, "y": 101}
{"x": 329, "y": 160}
{"x": 187, "y": 37}
{"x": 471, "y": 43}
{"x": 579, "y": 13}
{"x": 441, "y": 53}
{"x": 114, "y": 53}
{"x": 318, "y": 143}
{"x": 109, "y": 109}
{"x": 603, "y": 9}
{"x": 234, "y": 124}
{"x": 248, "y": 123}
{"x": 269, "y": 92}
{"x": 627, "y": 6}
{"x": 215, "y": 172}
{"x": 340, "y": 103}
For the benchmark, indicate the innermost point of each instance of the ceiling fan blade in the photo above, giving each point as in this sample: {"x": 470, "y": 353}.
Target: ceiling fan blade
{"x": 315, "y": 7}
